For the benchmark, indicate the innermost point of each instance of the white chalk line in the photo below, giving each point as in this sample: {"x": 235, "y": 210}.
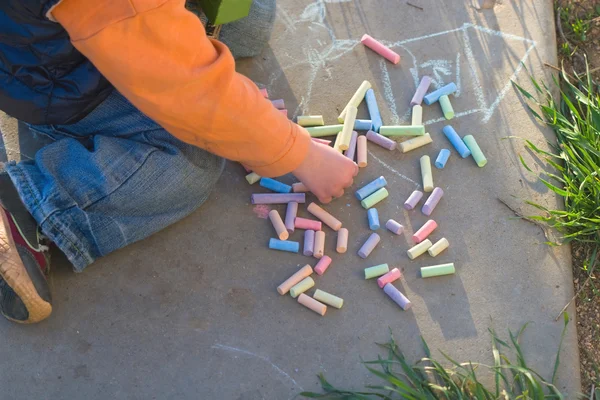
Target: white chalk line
{"x": 478, "y": 91}
{"x": 457, "y": 80}
{"x": 392, "y": 168}
{"x": 388, "y": 93}
{"x": 457, "y": 115}
{"x": 265, "y": 359}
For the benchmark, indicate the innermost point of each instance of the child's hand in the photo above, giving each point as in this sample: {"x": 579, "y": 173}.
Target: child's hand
{"x": 326, "y": 172}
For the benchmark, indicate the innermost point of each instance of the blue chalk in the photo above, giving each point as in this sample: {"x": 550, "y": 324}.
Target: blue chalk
{"x": 284, "y": 245}
{"x": 456, "y": 141}
{"x": 275, "y": 186}
{"x": 373, "y": 110}
{"x": 371, "y": 188}
{"x": 363, "y": 124}
{"x": 440, "y": 161}
{"x": 373, "y": 216}
{"x": 435, "y": 95}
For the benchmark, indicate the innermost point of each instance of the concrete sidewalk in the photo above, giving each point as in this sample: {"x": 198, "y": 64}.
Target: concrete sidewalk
{"x": 193, "y": 313}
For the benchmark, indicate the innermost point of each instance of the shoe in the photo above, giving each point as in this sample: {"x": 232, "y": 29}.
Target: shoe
{"x": 24, "y": 261}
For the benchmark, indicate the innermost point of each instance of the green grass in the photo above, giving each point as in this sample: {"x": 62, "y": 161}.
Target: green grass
{"x": 429, "y": 379}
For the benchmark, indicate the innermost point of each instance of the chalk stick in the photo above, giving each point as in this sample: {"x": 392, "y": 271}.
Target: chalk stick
{"x": 356, "y": 99}
{"x": 324, "y": 216}
{"x": 377, "y": 270}
{"x": 397, "y": 296}
{"x": 326, "y": 130}
{"x": 437, "y": 270}
{"x": 421, "y": 90}
{"x": 277, "y": 198}
{"x": 302, "y": 286}
{"x": 312, "y": 304}
{"x": 402, "y": 130}
{"x": 424, "y": 231}
{"x": 322, "y": 265}
{"x": 442, "y": 158}
{"x": 413, "y": 199}
{"x": 373, "y": 110}
{"x": 394, "y": 227}
{"x": 432, "y": 201}
{"x": 456, "y": 141}
{"x": 352, "y": 147}
{"x": 438, "y": 247}
{"x": 382, "y": 141}
{"x": 337, "y": 143}
{"x": 309, "y": 242}
{"x": 319, "y": 249}
{"x": 294, "y": 279}
{"x": 435, "y": 95}
{"x": 389, "y": 277}
{"x": 299, "y": 187}
{"x": 328, "y": 299}
{"x": 278, "y": 104}
{"x": 419, "y": 249}
{"x": 342, "y": 241}
{"x": 253, "y": 177}
{"x": 346, "y": 133}
{"x": 446, "y": 107}
{"x": 310, "y": 120}
{"x": 475, "y": 150}
{"x": 373, "y": 217}
{"x": 417, "y": 115}
{"x": 363, "y": 124}
{"x": 278, "y": 225}
{"x": 380, "y": 49}
{"x": 369, "y": 245}
{"x": 370, "y": 188}
{"x": 275, "y": 186}
{"x": 290, "y": 215}
{"x": 322, "y": 141}
{"x": 308, "y": 224}
{"x": 375, "y": 198}
{"x": 415, "y": 143}
{"x": 283, "y": 111}
{"x": 264, "y": 93}
{"x": 361, "y": 151}
{"x": 246, "y": 168}
{"x": 284, "y": 245}
{"x": 426, "y": 174}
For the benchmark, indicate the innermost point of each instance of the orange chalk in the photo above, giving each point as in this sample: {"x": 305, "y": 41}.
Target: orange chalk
{"x": 312, "y": 304}
{"x": 278, "y": 224}
{"x": 342, "y": 241}
{"x": 294, "y": 279}
{"x": 361, "y": 151}
{"x": 299, "y": 187}
{"x": 324, "y": 216}
{"x": 319, "y": 248}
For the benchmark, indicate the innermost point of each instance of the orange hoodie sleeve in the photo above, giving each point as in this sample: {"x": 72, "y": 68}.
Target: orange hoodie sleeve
{"x": 157, "y": 55}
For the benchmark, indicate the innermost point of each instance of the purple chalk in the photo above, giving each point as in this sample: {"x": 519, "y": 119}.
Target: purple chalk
{"x": 382, "y": 141}
{"x": 309, "y": 242}
{"x": 413, "y": 199}
{"x": 421, "y": 90}
{"x": 290, "y": 216}
{"x": 278, "y": 104}
{"x": 352, "y": 146}
{"x": 369, "y": 245}
{"x": 397, "y": 296}
{"x": 394, "y": 227}
{"x": 432, "y": 201}
{"x": 277, "y": 198}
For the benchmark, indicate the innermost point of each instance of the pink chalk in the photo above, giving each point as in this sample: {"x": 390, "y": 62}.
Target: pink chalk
{"x": 413, "y": 199}
{"x": 389, "y": 277}
{"x": 264, "y": 93}
{"x": 299, "y": 187}
{"x": 305, "y": 223}
{"x": 421, "y": 90}
{"x": 391, "y": 225}
{"x": 309, "y": 242}
{"x": 283, "y": 111}
{"x": 352, "y": 146}
{"x": 322, "y": 141}
{"x": 380, "y": 49}
{"x": 322, "y": 265}
{"x": 278, "y": 104}
{"x": 382, "y": 141}
{"x": 424, "y": 231}
{"x": 397, "y": 296}
{"x": 290, "y": 215}
{"x": 432, "y": 201}
{"x": 248, "y": 170}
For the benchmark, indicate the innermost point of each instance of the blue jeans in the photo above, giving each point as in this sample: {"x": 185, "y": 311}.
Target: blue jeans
{"x": 111, "y": 179}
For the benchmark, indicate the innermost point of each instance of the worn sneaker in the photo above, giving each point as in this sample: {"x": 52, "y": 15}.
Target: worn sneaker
{"x": 24, "y": 261}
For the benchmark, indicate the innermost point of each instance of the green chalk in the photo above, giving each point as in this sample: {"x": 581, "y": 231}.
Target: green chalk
{"x": 224, "y": 11}
{"x": 377, "y": 270}
{"x": 475, "y": 150}
{"x": 374, "y": 198}
{"x": 326, "y": 130}
{"x": 402, "y": 130}
{"x": 302, "y": 286}
{"x": 328, "y": 299}
{"x": 446, "y": 107}
{"x": 437, "y": 270}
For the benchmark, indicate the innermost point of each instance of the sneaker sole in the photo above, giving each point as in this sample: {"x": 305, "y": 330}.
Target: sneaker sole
{"x": 18, "y": 279}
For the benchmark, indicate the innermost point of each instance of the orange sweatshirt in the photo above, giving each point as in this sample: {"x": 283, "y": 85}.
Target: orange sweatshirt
{"x": 157, "y": 55}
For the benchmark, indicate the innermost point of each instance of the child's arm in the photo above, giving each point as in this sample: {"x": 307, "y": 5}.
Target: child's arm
{"x": 157, "y": 55}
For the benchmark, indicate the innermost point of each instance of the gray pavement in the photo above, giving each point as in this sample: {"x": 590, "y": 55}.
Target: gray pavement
{"x": 192, "y": 312}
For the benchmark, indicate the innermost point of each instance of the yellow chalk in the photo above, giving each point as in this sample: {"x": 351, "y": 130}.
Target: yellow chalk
{"x": 426, "y": 174}
{"x": 328, "y": 299}
{"x": 346, "y": 133}
{"x": 356, "y": 98}
{"x": 310, "y": 120}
